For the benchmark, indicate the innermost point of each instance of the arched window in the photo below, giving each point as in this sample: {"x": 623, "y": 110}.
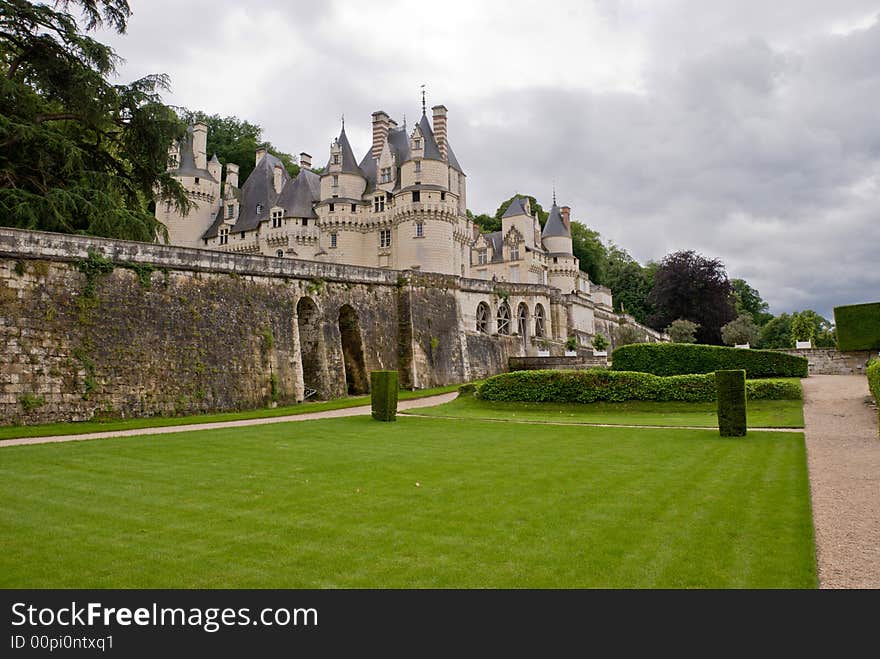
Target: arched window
{"x": 539, "y": 321}
{"x": 483, "y": 318}
{"x": 522, "y": 319}
{"x": 503, "y": 318}
{"x": 279, "y": 253}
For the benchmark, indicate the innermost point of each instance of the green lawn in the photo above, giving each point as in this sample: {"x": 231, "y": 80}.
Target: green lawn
{"x": 83, "y": 427}
{"x": 417, "y": 503}
{"x": 761, "y": 413}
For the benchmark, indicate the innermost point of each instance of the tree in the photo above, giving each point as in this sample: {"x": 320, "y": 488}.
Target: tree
{"x": 807, "y": 325}
{"x": 629, "y": 282}
{"x": 487, "y": 223}
{"x": 690, "y": 286}
{"x": 776, "y": 333}
{"x": 748, "y": 301}
{"x": 682, "y": 331}
{"x": 588, "y": 248}
{"x": 79, "y": 154}
{"x": 236, "y": 140}
{"x": 740, "y": 330}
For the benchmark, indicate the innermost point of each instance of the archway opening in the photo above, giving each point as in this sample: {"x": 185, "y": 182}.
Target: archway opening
{"x": 352, "y": 352}
{"x": 311, "y": 346}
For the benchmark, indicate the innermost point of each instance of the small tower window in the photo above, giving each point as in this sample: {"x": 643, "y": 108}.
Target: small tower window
{"x": 230, "y": 209}
{"x": 417, "y": 195}
{"x": 259, "y": 209}
{"x": 379, "y": 204}
{"x": 418, "y": 166}
{"x": 276, "y": 218}
{"x": 197, "y": 180}
{"x": 420, "y": 229}
{"x": 279, "y": 253}
{"x": 386, "y": 175}
{"x": 332, "y": 207}
{"x": 224, "y": 236}
{"x": 385, "y": 238}
{"x": 336, "y": 180}
{"x": 333, "y": 240}
{"x": 442, "y": 196}
{"x": 417, "y": 143}
{"x": 354, "y": 208}
{"x": 335, "y": 158}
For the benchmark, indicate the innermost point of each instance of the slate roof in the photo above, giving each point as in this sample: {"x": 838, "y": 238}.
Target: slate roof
{"x": 186, "y": 165}
{"x": 349, "y": 164}
{"x": 298, "y": 197}
{"x": 517, "y": 207}
{"x": 555, "y": 226}
{"x": 259, "y": 189}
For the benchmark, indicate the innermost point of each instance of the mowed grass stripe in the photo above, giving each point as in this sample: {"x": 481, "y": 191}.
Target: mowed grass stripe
{"x": 334, "y": 503}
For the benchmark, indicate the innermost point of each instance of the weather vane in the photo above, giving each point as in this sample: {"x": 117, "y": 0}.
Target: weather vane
{"x": 424, "y": 107}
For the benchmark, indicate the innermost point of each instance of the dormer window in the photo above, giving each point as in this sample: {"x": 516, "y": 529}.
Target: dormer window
{"x": 417, "y": 143}
{"x": 230, "y": 210}
{"x": 481, "y": 257}
{"x": 335, "y": 158}
{"x": 418, "y": 166}
{"x": 259, "y": 209}
{"x": 276, "y": 218}
{"x": 514, "y": 252}
{"x": 386, "y": 175}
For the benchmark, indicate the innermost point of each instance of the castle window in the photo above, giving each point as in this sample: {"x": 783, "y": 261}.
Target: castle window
{"x": 385, "y": 238}
{"x": 224, "y": 236}
{"x": 386, "y": 175}
{"x": 336, "y": 180}
{"x": 539, "y": 320}
{"x": 336, "y": 159}
{"x": 241, "y": 236}
{"x": 332, "y": 207}
{"x": 417, "y": 195}
{"x": 418, "y": 166}
{"x": 197, "y": 180}
{"x": 354, "y": 208}
{"x": 230, "y": 209}
{"x": 420, "y": 229}
{"x": 333, "y": 240}
{"x": 442, "y": 196}
{"x": 514, "y": 252}
{"x": 379, "y": 204}
{"x": 417, "y": 143}
{"x": 483, "y": 318}
{"x": 279, "y": 253}
{"x": 481, "y": 256}
{"x": 259, "y": 209}
{"x": 276, "y": 218}
{"x": 503, "y": 319}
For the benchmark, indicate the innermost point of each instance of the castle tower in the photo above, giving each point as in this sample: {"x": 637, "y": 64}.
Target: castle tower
{"x": 201, "y": 179}
{"x": 563, "y": 267}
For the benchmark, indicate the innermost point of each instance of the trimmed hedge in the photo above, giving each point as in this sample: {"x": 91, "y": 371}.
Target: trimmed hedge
{"x": 383, "y": 395}
{"x": 858, "y": 326}
{"x": 589, "y": 386}
{"x": 686, "y": 358}
{"x": 731, "y": 387}
{"x": 873, "y": 373}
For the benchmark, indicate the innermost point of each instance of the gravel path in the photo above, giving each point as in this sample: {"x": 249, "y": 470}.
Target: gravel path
{"x": 843, "y": 453}
{"x": 327, "y": 414}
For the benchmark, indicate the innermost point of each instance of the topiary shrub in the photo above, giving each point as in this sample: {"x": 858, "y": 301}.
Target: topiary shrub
{"x": 858, "y": 326}
{"x": 600, "y": 342}
{"x": 468, "y": 389}
{"x": 680, "y": 359}
{"x": 592, "y": 385}
{"x": 383, "y": 395}
{"x": 731, "y": 386}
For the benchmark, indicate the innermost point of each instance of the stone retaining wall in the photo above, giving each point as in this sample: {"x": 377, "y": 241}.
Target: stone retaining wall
{"x": 830, "y": 361}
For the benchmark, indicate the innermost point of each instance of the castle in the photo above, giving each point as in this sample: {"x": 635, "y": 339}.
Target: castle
{"x": 401, "y": 207}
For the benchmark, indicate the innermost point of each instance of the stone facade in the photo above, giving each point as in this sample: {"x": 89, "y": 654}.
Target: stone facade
{"x": 829, "y": 361}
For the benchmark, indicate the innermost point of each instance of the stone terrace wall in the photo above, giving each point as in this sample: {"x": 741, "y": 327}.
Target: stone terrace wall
{"x": 829, "y": 361}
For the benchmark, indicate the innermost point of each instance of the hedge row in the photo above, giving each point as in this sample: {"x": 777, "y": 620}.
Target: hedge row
{"x": 731, "y": 402}
{"x": 873, "y": 372}
{"x": 589, "y": 386}
{"x": 858, "y": 326}
{"x": 383, "y": 395}
{"x": 686, "y": 358}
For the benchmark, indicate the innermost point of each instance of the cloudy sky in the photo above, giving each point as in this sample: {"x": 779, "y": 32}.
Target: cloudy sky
{"x": 744, "y": 129}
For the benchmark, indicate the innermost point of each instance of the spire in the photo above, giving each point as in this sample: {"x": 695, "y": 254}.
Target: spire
{"x": 554, "y": 193}
{"x": 555, "y": 226}
{"x": 424, "y": 106}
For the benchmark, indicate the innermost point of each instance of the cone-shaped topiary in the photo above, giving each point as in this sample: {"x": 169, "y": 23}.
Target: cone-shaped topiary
{"x": 731, "y": 391}
{"x": 383, "y": 395}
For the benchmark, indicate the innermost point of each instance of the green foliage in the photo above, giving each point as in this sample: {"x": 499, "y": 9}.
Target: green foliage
{"x": 808, "y": 325}
{"x": 268, "y": 339}
{"x": 627, "y": 335}
{"x": 873, "y": 373}
{"x": 273, "y": 387}
{"x": 144, "y": 272}
{"x": 587, "y": 246}
{"x": 235, "y": 140}
{"x": 571, "y": 343}
{"x": 776, "y": 334}
{"x": 93, "y": 267}
{"x": 590, "y": 386}
{"x": 600, "y": 343}
{"x": 740, "y": 330}
{"x": 30, "y": 402}
{"x": 748, "y": 301}
{"x": 90, "y": 382}
{"x": 801, "y": 328}
{"x": 858, "y": 326}
{"x": 682, "y": 331}
{"x": 79, "y": 154}
{"x": 487, "y": 223}
{"x": 383, "y": 395}
{"x": 316, "y": 286}
{"x": 731, "y": 388}
{"x": 20, "y": 267}
{"x": 468, "y": 389}
{"x": 630, "y": 283}
{"x": 678, "y": 359}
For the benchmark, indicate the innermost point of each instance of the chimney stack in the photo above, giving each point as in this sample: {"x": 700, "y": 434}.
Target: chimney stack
{"x": 440, "y": 130}
{"x": 381, "y": 125}
{"x": 278, "y": 178}
{"x": 566, "y": 216}
{"x": 305, "y": 160}
{"x": 231, "y": 175}
{"x": 260, "y": 153}
{"x": 200, "y": 145}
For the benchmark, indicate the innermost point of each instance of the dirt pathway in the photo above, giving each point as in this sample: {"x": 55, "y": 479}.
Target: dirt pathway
{"x": 327, "y": 414}
{"x": 843, "y": 453}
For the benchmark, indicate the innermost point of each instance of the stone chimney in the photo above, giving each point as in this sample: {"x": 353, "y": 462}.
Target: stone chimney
{"x": 260, "y": 153}
{"x": 278, "y": 178}
{"x": 381, "y": 125}
{"x": 305, "y": 160}
{"x": 200, "y": 145}
{"x": 231, "y": 175}
{"x": 565, "y": 211}
{"x": 440, "y": 130}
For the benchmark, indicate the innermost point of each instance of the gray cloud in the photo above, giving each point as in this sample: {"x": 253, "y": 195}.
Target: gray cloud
{"x": 744, "y": 130}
